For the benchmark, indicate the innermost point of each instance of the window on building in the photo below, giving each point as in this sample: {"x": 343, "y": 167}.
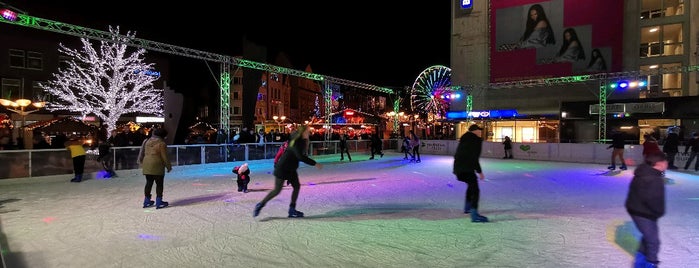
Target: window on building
{"x": 35, "y": 60}
{"x": 63, "y": 62}
{"x": 652, "y": 9}
{"x": 237, "y": 80}
{"x": 38, "y": 92}
{"x": 661, "y": 40}
{"x": 528, "y": 134}
{"x": 17, "y": 58}
{"x": 236, "y": 110}
{"x": 236, "y": 95}
{"x": 662, "y": 85}
{"x": 11, "y": 89}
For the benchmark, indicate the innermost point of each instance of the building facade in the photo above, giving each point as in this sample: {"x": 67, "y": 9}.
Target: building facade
{"x": 593, "y": 44}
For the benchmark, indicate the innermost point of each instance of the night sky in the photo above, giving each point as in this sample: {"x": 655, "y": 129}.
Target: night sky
{"x": 384, "y": 43}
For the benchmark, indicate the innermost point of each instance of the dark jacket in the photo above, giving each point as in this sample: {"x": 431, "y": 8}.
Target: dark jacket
{"x": 671, "y": 143}
{"x": 343, "y": 140}
{"x": 289, "y": 161}
{"x": 693, "y": 145}
{"x": 507, "y": 143}
{"x": 617, "y": 141}
{"x": 646, "y": 197}
{"x": 467, "y": 154}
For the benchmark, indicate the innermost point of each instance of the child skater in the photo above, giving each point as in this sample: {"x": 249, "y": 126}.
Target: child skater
{"x": 243, "y": 177}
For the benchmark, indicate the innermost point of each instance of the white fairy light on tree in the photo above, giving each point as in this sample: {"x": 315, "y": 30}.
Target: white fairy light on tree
{"x": 108, "y": 82}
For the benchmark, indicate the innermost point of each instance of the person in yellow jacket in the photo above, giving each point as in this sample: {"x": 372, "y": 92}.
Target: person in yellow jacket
{"x": 154, "y": 160}
{"x": 77, "y": 152}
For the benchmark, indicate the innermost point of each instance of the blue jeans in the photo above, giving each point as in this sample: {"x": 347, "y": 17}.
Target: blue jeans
{"x": 650, "y": 241}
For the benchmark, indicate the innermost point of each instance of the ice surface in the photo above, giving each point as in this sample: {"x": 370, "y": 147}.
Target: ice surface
{"x": 365, "y": 213}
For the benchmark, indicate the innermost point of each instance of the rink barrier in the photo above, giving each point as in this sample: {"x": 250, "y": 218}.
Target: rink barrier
{"x": 46, "y": 162}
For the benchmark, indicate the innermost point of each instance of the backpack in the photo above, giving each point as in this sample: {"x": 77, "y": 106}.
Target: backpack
{"x": 280, "y": 152}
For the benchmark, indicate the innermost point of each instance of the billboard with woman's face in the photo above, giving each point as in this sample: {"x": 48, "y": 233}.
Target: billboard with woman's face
{"x": 542, "y": 39}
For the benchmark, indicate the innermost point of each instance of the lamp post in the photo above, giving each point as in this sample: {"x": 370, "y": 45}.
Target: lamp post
{"x": 279, "y": 120}
{"x": 20, "y": 107}
{"x": 395, "y": 120}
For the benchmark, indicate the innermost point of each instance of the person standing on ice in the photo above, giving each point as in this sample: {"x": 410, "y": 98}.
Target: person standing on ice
{"x": 618, "y": 151}
{"x": 466, "y": 166}
{"x": 645, "y": 203}
{"x": 286, "y": 169}
{"x": 154, "y": 161}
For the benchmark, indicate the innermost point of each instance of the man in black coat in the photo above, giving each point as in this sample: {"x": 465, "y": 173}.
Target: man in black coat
{"x": 466, "y": 165}
{"x": 645, "y": 203}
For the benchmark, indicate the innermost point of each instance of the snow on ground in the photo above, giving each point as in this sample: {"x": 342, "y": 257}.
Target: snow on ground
{"x": 366, "y": 213}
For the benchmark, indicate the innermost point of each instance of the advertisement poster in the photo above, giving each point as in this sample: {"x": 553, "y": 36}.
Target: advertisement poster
{"x": 544, "y": 39}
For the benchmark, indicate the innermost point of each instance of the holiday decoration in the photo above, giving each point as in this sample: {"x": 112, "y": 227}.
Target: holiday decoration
{"x": 107, "y": 83}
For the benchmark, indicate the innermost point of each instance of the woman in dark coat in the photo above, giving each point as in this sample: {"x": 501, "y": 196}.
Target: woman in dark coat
{"x": 508, "y": 147}
{"x": 286, "y": 169}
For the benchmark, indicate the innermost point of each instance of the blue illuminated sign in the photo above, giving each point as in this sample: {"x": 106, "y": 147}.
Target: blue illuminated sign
{"x": 482, "y": 114}
{"x": 466, "y": 4}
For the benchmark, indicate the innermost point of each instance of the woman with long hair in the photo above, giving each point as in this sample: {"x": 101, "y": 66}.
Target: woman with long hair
{"x": 597, "y": 62}
{"x": 538, "y": 32}
{"x": 571, "y": 50}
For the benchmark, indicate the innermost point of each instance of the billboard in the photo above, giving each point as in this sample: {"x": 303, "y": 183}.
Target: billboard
{"x": 543, "y": 39}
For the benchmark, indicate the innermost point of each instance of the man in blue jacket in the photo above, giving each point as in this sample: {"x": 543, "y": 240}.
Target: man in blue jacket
{"x": 645, "y": 204}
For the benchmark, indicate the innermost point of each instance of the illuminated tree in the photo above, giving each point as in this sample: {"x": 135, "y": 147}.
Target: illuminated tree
{"x": 107, "y": 83}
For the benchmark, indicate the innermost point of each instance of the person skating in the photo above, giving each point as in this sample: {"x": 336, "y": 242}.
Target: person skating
{"x": 415, "y": 144}
{"x": 618, "y": 151}
{"x": 508, "y": 147}
{"x": 243, "y": 177}
{"x": 693, "y": 145}
{"x": 154, "y": 161}
{"x": 343, "y": 147}
{"x": 376, "y": 145}
{"x": 77, "y": 152}
{"x": 645, "y": 203}
{"x": 407, "y": 149}
{"x": 466, "y": 166}
{"x": 286, "y": 169}
{"x": 671, "y": 146}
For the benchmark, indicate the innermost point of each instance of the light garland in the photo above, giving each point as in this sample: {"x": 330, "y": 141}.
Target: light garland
{"x": 107, "y": 83}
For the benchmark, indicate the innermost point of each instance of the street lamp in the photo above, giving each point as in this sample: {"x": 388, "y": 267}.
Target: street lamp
{"x": 395, "y": 120}
{"x": 19, "y": 106}
{"x": 279, "y": 120}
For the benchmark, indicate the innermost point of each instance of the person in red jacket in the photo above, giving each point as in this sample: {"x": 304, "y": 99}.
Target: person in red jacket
{"x": 650, "y": 145}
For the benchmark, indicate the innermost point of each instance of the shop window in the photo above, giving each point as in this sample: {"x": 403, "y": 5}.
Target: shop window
{"x": 528, "y": 134}
{"x": 506, "y": 131}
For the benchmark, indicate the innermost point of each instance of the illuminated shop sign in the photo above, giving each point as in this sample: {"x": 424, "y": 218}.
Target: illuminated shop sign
{"x": 482, "y": 114}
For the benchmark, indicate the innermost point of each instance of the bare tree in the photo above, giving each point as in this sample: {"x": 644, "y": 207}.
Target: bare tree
{"x": 107, "y": 83}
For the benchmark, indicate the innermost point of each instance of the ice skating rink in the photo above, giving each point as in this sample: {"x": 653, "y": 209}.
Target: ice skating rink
{"x": 368, "y": 213}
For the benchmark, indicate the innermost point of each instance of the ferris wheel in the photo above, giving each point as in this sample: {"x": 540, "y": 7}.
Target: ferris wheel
{"x": 431, "y": 91}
